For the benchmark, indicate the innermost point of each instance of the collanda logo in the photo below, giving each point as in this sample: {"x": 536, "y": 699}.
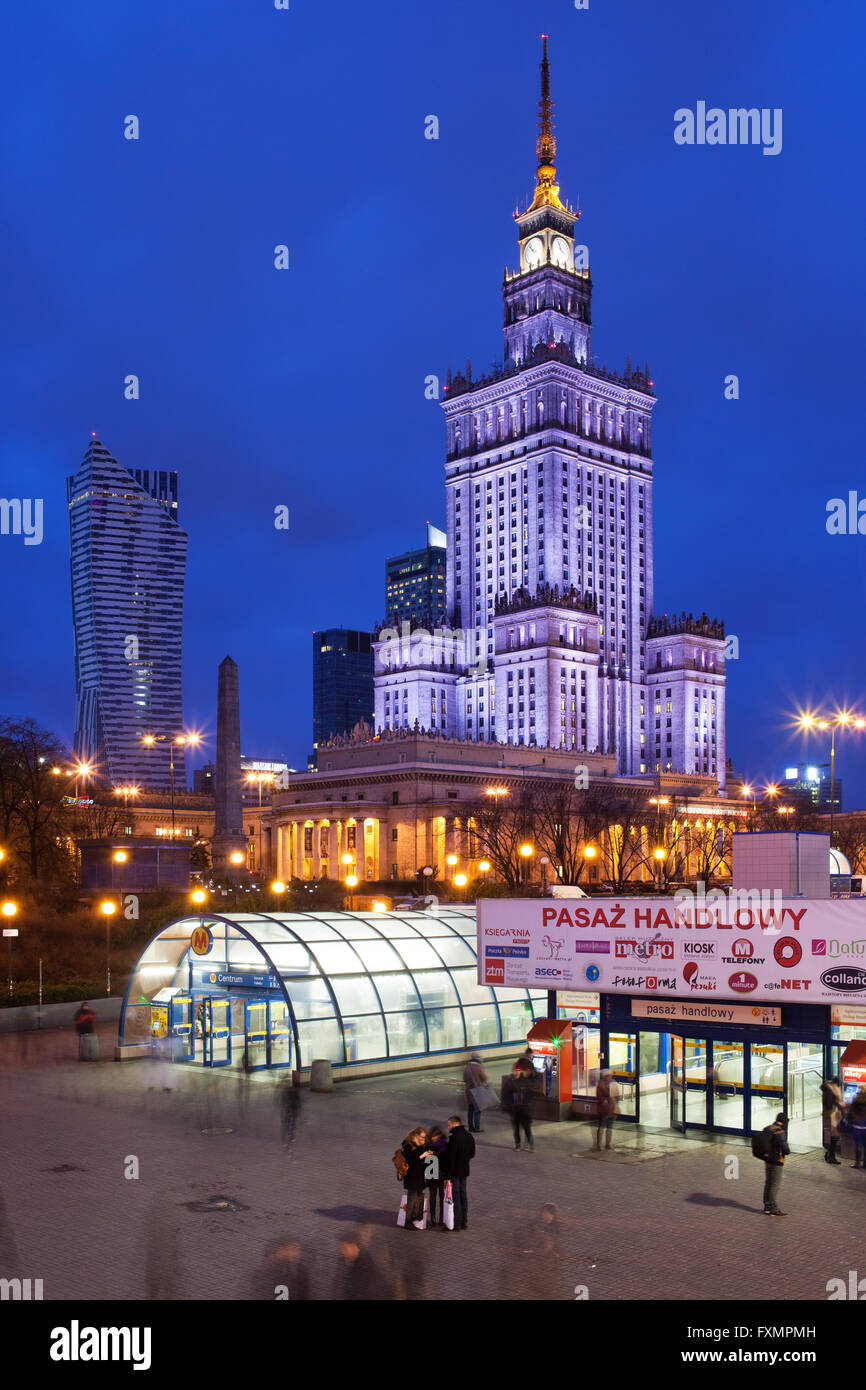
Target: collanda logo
{"x": 787, "y": 952}
{"x": 742, "y": 982}
{"x": 847, "y": 978}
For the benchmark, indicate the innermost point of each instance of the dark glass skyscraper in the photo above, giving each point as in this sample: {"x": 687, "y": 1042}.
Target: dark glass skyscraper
{"x": 128, "y": 563}
{"x": 415, "y": 584}
{"x": 342, "y": 682}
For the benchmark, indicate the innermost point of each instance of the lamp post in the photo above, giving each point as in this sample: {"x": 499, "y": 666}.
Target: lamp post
{"x": 8, "y": 911}
{"x": 351, "y": 884}
{"x": 659, "y": 857}
{"x": 526, "y": 852}
{"x": 590, "y": 854}
{"x": 278, "y": 888}
{"x": 260, "y": 777}
{"x": 108, "y": 909}
{"x": 171, "y": 740}
{"x": 120, "y": 857}
{"x": 544, "y": 861}
{"x": 844, "y": 719}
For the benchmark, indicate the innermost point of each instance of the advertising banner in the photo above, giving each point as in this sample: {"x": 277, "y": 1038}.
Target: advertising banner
{"x": 701, "y": 946}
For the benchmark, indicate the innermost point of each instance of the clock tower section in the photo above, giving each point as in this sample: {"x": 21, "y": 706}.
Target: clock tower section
{"x": 547, "y": 300}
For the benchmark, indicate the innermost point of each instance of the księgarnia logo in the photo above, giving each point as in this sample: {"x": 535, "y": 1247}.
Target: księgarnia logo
{"x": 845, "y": 978}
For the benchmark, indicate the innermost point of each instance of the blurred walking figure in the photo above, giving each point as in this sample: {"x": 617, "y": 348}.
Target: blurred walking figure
{"x": 88, "y": 1042}
{"x": 607, "y": 1098}
{"x": 284, "y": 1275}
{"x": 438, "y": 1147}
{"x": 777, "y": 1136}
{"x": 474, "y": 1076}
{"x": 832, "y": 1108}
{"x": 415, "y": 1152}
{"x": 461, "y": 1151}
{"x": 857, "y": 1121}
{"x": 517, "y": 1098}
{"x": 359, "y": 1278}
{"x": 544, "y": 1235}
{"x": 290, "y": 1109}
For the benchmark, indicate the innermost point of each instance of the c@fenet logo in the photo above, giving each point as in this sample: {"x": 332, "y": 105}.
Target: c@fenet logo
{"x": 845, "y": 978}
{"x": 787, "y": 952}
{"x": 742, "y": 982}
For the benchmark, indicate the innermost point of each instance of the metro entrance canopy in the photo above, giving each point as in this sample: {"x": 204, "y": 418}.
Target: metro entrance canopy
{"x": 349, "y": 987}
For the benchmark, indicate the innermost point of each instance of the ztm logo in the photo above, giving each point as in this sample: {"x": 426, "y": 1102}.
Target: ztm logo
{"x": 742, "y": 947}
{"x": 787, "y": 951}
{"x": 494, "y": 972}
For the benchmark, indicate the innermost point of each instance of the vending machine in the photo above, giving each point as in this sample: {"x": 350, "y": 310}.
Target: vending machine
{"x": 552, "y": 1044}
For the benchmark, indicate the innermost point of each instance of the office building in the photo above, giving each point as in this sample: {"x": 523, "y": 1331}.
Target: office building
{"x": 415, "y": 584}
{"x": 342, "y": 682}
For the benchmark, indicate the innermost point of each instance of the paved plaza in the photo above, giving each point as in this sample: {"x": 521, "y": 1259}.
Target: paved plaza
{"x": 656, "y": 1218}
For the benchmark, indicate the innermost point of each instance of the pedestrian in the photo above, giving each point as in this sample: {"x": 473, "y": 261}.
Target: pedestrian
{"x": 88, "y": 1043}
{"x": 437, "y": 1144}
{"x": 543, "y": 1239}
{"x": 832, "y": 1106}
{"x": 359, "y": 1278}
{"x": 461, "y": 1151}
{"x": 607, "y": 1103}
{"x": 777, "y": 1134}
{"x": 284, "y": 1276}
{"x": 474, "y": 1075}
{"x": 857, "y": 1121}
{"x": 415, "y": 1152}
{"x": 520, "y": 1087}
{"x": 290, "y": 1107}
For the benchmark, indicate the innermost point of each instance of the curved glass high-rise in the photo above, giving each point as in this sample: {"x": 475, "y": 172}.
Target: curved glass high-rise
{"x": 128, "y": 564}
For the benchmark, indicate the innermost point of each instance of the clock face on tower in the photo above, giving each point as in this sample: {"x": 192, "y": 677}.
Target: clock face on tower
{"x": 559, "y": 251}
{"x": 533, "y": 252}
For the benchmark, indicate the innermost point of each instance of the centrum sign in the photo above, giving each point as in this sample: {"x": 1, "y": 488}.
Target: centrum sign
{"x": 773, "y": 952}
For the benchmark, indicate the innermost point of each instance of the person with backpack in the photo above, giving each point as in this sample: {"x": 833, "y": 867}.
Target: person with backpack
{"x": 461, "y": 1151}
{"x": 474, "y": 1076}
{"x": 832, "y": 1106}
{"x": 414, "y": 1153}
{"x": 775, "y": 1145}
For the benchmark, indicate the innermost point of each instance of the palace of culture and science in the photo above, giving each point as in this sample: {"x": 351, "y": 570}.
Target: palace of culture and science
{"x": 552, "y": 641}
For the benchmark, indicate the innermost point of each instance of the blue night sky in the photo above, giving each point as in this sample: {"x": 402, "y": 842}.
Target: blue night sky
{"x": 306, "y": 387}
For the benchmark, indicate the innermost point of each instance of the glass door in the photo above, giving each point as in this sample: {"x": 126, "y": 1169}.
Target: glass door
{"x": 765, "y": 1092}
{"x": 805, "y": 1074}
{"x": 678, "y": 1083}
{"x": 729, "y": 1085}
{"x": 623, "y": 1063}
{"x": 279, "y": 1034}
{"x": 180, "y": 1028}
{"x": 690, "y": 1073}
{"x": 255, "y": 1034}
{"x": 217, "y": 1035}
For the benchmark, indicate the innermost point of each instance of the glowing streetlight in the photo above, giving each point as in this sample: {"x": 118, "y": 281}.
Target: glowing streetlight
{"x": 526, "y": 851}
{"x": 237, "y": 857}
{"x": 199, "y": 897}
{"x": 841, "y": 720}
{"x": 9, "y": 910}
{"x": 351, "y": 880}
{"x": 484, "y": 866}
{"x": 380, "y": 907}
{"x": 348, "y": 859}
{"x": 120, "y": 856}
{"x": 451, "y": 859}
{"x": 460, "y": 880}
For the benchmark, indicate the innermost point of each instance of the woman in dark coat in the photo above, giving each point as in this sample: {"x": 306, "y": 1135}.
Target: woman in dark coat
{"x": 415, "y": 1152}
{"x": 437, "y": 1144}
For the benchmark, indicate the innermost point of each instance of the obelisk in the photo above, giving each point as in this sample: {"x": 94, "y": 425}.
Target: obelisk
{"x": 228, "y": 836}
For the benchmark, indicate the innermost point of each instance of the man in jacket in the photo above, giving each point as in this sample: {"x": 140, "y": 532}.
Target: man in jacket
{"x": 831, "y": 1103}
{"x": 517, "y": 1097}
{"x": 775, "y": 1164}
{"x": 473, "y": 1075}
{"x": 460, "y": 1153}
{"x": 607, "y": 1102}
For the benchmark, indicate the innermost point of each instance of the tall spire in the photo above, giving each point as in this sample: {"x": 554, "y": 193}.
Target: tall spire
{"x": 546, "y": 187}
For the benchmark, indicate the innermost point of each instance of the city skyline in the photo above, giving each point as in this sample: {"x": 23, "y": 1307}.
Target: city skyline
{"x": 672, "y": 307}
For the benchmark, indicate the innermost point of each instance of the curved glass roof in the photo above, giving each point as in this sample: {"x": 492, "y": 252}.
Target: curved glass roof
{"x": 360, "y": 986}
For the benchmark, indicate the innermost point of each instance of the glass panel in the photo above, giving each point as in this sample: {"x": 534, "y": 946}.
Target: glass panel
{"x": 356, "y": 995}
{"x": 623, "y": 1064}
{"x": 245, "y": 953}
{"x": 432, "y": 925}
{"x": 397, "y": 992}
{"x": 354, "y": 930}
{"x": 516, "y": 1019}
{"x": 337, "y": 957}
{"x": 308, "y": 929}
{"x": 291, "y": 959}
{"x": 677, "y": 1093}
{"x": 728, "y": 1089}
{"x": 768, "y": 1094}
{"x": 310, "y": 998}
{"x": 696, "y": 1081}
{"x": 482, "y": 1025}
{"x": 435, "y": 988}
{"x": 320, "y": 1039}
{"x": 392, "y": 926}
{"x": 805, "y": 1074}
{"x": 406, "y": 1033}
{"x": 418, "y": 954}
{"x": 455, "y": 951}
{"x": 470, "y": 990}
{"x": 446, "y": 1029}
{"x": 365, "y": 1037}
{"x": 378, "y": 955}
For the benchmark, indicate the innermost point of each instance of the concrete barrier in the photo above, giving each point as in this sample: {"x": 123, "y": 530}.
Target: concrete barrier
{"x": 29, "y": 1016}
{"x": 321, "y": 1076}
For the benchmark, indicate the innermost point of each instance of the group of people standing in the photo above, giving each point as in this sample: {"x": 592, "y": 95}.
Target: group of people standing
{"x": 432, "y": 1161}
{"x": 517, "y": 1090}
{"x": 839, "y": 1118}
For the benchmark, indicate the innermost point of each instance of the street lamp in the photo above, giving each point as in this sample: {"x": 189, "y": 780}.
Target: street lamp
{"x": 278, "y": 888}
{"x": 544, "y": 861}
{"x": 9, "y": 910}
{"x": 484, "y": 866}
{"x": 526, "y": 852}
{"x": 451, "y": 860}
{"x": 108, "y": 909}
{"x": 84, "y": 770}
{"x": 351, "y": 884}
{"x": 842, "y": 720}
{"x": 659, "y": 857}
{"x": 260, "y": 777}
{"x": 590, "y": 853}
{"x": 172, "y": 739}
